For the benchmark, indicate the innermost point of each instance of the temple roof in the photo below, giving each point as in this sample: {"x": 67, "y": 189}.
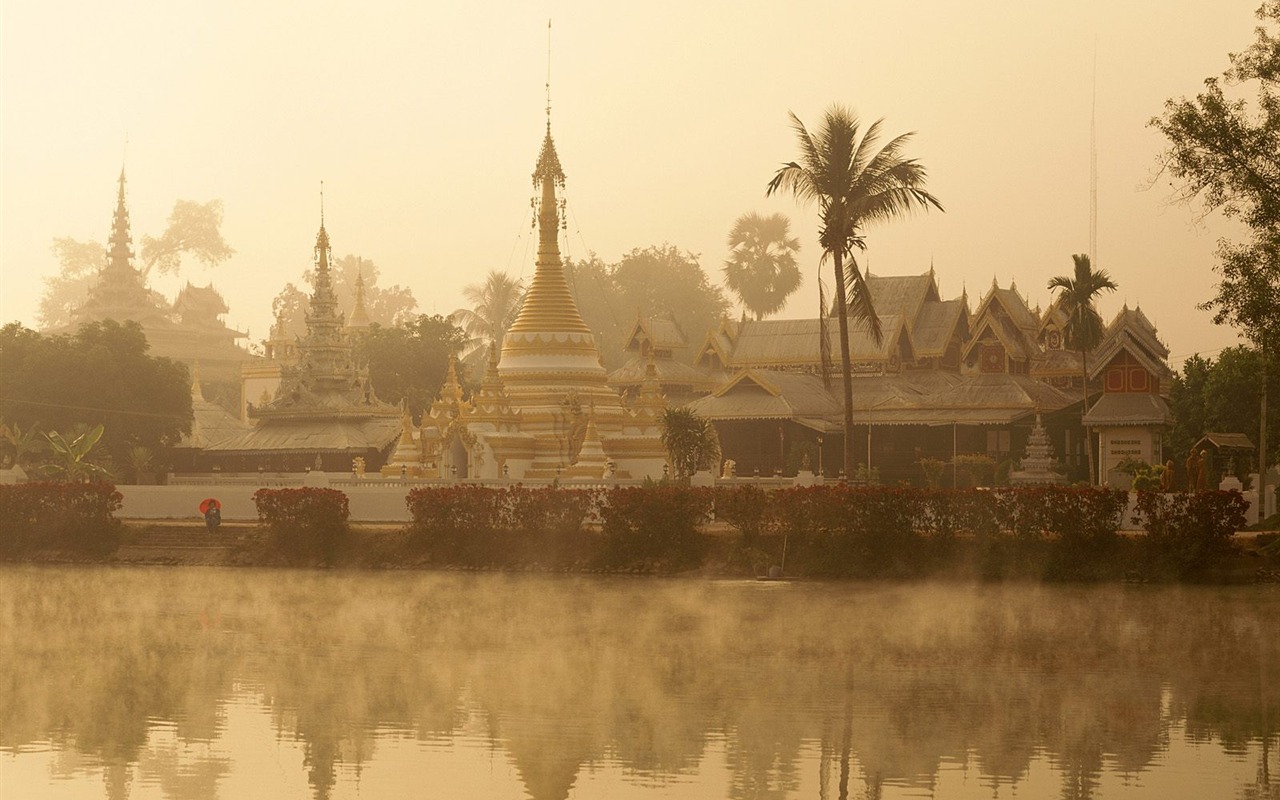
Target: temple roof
{"x": 1129, "y": 408}
{"x": 314, "y": 435}
{"x": 902, "y": 294}
{"x": 935, "y": 322}
{"x": 769, "y": 394}
{"x": 777, "y": 342}
{"x": 660, "y": 332}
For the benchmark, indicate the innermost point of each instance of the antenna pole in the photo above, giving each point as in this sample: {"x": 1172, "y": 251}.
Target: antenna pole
{"x": 1093, "y": 165}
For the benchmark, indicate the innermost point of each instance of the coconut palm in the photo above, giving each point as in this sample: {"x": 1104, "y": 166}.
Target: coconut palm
{"x": 494, "y": 306}
{"x": 855, "y": 184}
{"x": 1084, "y": 325}
{"x": 761, "y": 268}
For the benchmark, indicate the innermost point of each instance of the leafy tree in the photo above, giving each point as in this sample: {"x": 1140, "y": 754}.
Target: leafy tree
{"x": 662, "y": 280}
{"x": 409, "y": 361}
{"x": 1187, "y": 402}
{"x": 855, "y": 185}
{"x": 690, "y": 440}
{"x": 1076, "y": 295}
{"x": 761, "y": 269}
{"x": 99, "y": 375}
{"x": 494, "y": 306}
{"x": 79, "y": 263}
{"x": 387, "y": 307}
{"x": 1221, "y": 394}
{"x": 194, "y": 229}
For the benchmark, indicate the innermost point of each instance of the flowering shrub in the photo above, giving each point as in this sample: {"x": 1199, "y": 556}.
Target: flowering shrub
{"x": 478, "y": 526}
{"x": 1187, "y": 532}
{"x": 75, "y": 517}
{"x": 744, "y": 508}
{"x": 654, "y": 526}
{"x": 305, "y": 523}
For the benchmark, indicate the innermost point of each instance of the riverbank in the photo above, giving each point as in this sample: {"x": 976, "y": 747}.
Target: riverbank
{"x": 723, "y": 554}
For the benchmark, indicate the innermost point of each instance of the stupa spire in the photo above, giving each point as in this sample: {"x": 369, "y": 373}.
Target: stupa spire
{"x": 548, "y": 305}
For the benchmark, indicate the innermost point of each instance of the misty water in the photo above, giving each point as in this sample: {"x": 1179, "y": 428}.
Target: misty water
{"x": 204, "y": 683}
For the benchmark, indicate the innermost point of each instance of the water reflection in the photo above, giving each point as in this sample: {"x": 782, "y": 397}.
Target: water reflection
{"x": 150, "y": 681}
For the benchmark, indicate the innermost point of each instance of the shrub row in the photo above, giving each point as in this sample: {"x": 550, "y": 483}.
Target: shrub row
{"x": 838, "y": 531}
{"x": 64, "y": 517}
{"x": 304, "y": 525}
{"x": 516, "y": 526}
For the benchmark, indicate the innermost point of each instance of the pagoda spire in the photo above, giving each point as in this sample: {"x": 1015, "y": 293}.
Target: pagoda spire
{"x": 548, "y": 305}
{"x": 359, "y": 319}
{"x": 120, "y": 249}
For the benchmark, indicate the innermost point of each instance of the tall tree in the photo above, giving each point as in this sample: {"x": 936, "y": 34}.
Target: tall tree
{"x": 1076, "y": 295}
{"x": 409, "y": 361}
{"x": 658, "y": 280}
{"x": 99, "y": 375}
{"x": 855, "y": 185}
{"x": 194, "y": 229}
{"x": 1225, "y": 153}
{"x": 494, "y": 306}
{"x": 761, "y": 268}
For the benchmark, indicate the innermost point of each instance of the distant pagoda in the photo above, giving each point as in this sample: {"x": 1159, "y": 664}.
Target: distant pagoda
{"x": 325, "y": 412}
{"x": 190, "y": 331}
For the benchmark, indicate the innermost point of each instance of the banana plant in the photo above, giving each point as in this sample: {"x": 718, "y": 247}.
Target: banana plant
{"x": 23, "y": 443}
{"x": 70, "y": 458}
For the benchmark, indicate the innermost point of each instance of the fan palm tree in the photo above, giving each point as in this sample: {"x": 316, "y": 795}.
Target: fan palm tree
{"x": 1076, "y": 295}
{"x": 494, "y": 306}
{"x": 761, "y": 269}
{"x": 855, "y": 184}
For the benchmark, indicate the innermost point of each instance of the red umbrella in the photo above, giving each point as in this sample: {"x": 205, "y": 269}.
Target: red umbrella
{"x": 208, "y": 503}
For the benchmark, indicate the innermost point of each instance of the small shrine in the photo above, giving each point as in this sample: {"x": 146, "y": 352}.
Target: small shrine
{"x": 1038, "y": 461}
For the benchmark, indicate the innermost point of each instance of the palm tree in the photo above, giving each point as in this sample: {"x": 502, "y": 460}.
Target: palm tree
{"x": 690, "y": 440}
{"x": 494, "y": 306}
{"x": 855, "y": 184}
{"x": 761, "y": 268}
{"x": 1084, "y": 325}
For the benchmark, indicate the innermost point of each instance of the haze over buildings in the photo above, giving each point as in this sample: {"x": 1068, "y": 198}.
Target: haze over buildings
{"x": 422, "y": 121}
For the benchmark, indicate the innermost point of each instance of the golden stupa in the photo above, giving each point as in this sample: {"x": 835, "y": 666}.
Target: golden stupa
{"x": 546, "y": 392}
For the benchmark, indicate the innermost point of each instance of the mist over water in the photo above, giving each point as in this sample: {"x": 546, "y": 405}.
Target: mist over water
{"x": 190, "y": 683}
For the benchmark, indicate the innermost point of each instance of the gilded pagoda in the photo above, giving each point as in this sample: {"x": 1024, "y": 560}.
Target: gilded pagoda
{"x": 545, "y": 410}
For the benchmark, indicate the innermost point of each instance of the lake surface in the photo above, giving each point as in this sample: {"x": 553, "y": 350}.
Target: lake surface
{"x": 207, "y": 683}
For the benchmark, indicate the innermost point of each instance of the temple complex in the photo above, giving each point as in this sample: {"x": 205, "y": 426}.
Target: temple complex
{"x": 325, "y": 414}
{"x": 545, "y": 409}
{"x": 944, "y": 381}
{"x": 190, "y": 331}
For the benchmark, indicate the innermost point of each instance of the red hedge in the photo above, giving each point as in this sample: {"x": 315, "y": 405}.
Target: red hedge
{"x": 304, "y": 523}
{"x": 59, "y": 516}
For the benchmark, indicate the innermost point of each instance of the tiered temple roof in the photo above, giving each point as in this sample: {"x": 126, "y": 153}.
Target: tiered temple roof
{"x": 325, "y": 406}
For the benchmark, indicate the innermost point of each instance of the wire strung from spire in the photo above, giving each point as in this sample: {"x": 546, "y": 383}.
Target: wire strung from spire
{"x": 322, "y": 203}
{"x": 548, "y": 76}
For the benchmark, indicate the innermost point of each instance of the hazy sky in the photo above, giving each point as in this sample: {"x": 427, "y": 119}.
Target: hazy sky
{"x": 424, "y": 121}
